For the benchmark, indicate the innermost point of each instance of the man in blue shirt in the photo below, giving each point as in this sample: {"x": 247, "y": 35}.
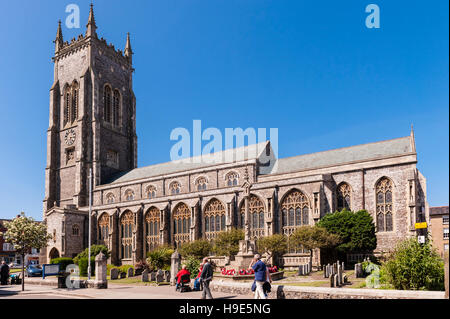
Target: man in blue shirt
{"x": 260, "y": 276}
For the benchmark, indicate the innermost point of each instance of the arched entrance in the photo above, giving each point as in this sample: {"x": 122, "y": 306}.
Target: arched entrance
{"x": 54, "y": 253}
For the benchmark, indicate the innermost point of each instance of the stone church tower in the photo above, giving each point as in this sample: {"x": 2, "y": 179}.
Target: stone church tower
{"x": 92, "y": 121}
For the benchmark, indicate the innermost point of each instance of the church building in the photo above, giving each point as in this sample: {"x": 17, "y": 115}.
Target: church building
{"x": 92, "y": 124}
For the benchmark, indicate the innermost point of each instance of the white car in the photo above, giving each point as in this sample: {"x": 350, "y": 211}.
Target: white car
{"x": 14, "y": 266}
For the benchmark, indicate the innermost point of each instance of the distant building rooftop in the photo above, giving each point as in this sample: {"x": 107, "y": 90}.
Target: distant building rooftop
{"x": 438, "y": 210}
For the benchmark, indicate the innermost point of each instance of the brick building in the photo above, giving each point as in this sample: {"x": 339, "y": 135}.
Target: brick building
{"x": 439, "y": 228}
{"x": 7, "y": 251}
{"x": 92, "y": 124}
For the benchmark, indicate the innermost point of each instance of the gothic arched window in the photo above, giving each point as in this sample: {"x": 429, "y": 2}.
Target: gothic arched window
{"x": 384, "y": 205}
{"x": 201, "y": 183}
{"x": 343, "y": 196}
{"x": 256, "y": 216}
{"x": 103, "y": 229}
{"x": 67, "y": 103}
{"x": 181, "y": 223}
{"x": 116, "y": 108}
{"x": 127, "y": 225}
{"x": 175, "y": 188}
{"x": 110, "y": 199}
{"x": 151, "y": 192}
{"x": 107, "y": 104}
{"x": 129, "y": 195}
{"x": 214, "y": 215}
{"x": 152, "y": 223}
{"x": 74, "y": 108}
{"x": 295, "y": 213}
{"x": 232, "y": 179}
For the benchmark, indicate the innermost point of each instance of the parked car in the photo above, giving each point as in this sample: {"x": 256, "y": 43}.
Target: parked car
{"x": 34, "y": 271}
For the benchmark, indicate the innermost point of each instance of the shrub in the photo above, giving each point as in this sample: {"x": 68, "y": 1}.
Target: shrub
{"x": 227, "y": 243}
{"x": 142, "y": 264}
{"x": 196, "y": 249}
{"x": 355, "y": 229}
{"x": 124, "y": 268}
{"x": 415, "y": 266}
{"x": 193, "y": 264}
{"x": 159, "y": 258}
{"x": 83, "y": 265}
{"x": 108, "y": 269}
{"x": 63, "y": 262}
{"x": 95, "y": 250}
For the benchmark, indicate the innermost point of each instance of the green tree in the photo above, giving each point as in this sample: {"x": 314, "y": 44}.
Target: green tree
{"x": 24, "y": 233}
{"x": 197, "y": 249}
{"x": 227, "y": 243}
{"x": 273, "y": 245}
{"x": 95, "y": 250}
{"x": 313, "y": 237}
{"x": 159, "y": 258}
{"x": 415, "y": 266}
{"x": 355, "y": 229}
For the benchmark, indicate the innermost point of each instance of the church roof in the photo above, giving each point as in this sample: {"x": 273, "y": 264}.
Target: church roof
{"x": 371, "y": 151}
{"x": 399, "y": 146}
{"x": 245, "y": 153}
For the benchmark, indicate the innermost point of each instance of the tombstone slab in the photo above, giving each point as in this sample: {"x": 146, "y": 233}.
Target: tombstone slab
{"x": 114, "y": 273}
{"x": 144, "y": 275}
{"x": 130, "y": 272}
{"x": 159, "y": 276}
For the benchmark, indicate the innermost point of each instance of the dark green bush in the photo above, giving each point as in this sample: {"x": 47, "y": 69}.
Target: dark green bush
{"x": 95, "y": 250}
{"x": 193, "y": 264}
{"x": 124, "y": 268}
{"x": 63, "y": 262}
{"x": 196, "y": 249}
{"x": 83, "y": 265}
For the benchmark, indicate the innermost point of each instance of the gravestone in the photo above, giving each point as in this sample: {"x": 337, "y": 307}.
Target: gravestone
{"x": 114, "y": 272}
{"x": 130, "y": 272}
{"x": 153, "y": 276}
{"x": 331, "y": 281}
{"x": 144, "y": 275}
{"x": 123, "y": 275}
{"x": 159, "y": 276}
{"x": 175, "y": 261}
{"x": 167, "y": 276}
{"x": 336, "y": 281}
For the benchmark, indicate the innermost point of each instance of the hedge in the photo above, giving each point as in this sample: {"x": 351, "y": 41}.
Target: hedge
{"x": 63, "y": 262}
{"x": 83, "y": 265}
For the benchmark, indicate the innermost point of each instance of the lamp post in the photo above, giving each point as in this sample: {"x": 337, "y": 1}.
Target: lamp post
{"x": 89, "y": 223}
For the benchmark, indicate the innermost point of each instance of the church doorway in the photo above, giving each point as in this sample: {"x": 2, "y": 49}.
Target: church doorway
{"x": 54, "y": 253}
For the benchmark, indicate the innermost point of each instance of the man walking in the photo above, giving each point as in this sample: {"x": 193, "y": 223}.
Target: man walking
{"x": 260, "y": 276}
{"x": 4, "y": 273}
{"x": 206, "y": 277}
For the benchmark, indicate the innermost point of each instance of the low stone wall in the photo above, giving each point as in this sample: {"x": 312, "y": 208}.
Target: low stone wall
{"x": 296, "y": 292}
{"x": 275, "y": 276}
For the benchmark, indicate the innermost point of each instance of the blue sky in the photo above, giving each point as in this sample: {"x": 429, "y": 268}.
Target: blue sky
{"x": 309, "y": 68}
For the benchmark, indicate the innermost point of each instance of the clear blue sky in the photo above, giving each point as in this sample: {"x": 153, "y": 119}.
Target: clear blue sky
{"x": 310, "y": 68}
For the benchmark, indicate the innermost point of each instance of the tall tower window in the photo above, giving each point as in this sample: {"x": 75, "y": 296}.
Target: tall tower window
{"x": 107, "y": 104}
{"x": 74, "y": 109}
{"x": 116, "y": 108}
{"x": 67, "y": 99}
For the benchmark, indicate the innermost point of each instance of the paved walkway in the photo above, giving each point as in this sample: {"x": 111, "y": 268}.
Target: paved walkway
{"x": 114, "y": 291}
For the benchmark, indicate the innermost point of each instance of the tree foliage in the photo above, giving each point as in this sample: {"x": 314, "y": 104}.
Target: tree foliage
{"x": 355, "y": 229}
{"x": 313, "y": 237}
{"x": 272, "y": 245}
{"x": 197, "y": 249}
{"x": 159, "y": 258}
{"x": 415, "y": 266}
{"x": 95, "y": 250}
{"x": 24, "y": 233}
{"x": 193, "y": 265}
{"x": 227, "y": 243}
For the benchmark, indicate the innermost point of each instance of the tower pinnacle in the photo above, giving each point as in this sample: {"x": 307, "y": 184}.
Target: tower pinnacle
{"x": 59, "y": 38}
{"x": 91, "y": 27}
{"x": 128, "y": 51}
